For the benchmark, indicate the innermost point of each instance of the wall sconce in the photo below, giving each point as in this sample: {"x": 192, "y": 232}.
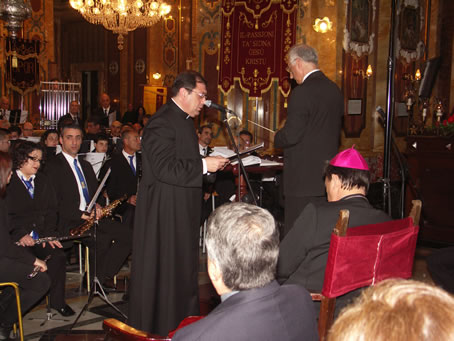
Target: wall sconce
{"x": 156, "y": 75}
{"x": 322, "y": 25}
{"x": 410, "y": 77}
{"x": 365, "y": 75}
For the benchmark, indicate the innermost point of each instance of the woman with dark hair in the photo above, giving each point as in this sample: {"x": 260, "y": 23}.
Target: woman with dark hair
{"x": 49, "y": 138}
{"x": 32, "y": 207}
{"x": 140, "y": 114}
{"x": 16, "y": 263}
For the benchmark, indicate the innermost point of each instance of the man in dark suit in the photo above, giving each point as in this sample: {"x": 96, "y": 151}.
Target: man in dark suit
{"x": 205, "y": 135}
{"x": 72, "y": 117}
{"x": 166, "y": 228}
{"x": 242, "y": 247}
{"x": 75, "y": 183}
{"x": 303, "y": 252}
{"x": 105, "y": 114}
{"x": 311, "y": 133}
{"x": 124, "y": 177}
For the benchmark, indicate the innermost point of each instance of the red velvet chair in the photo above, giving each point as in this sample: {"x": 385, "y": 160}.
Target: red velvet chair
{"x": 365, "y": 255}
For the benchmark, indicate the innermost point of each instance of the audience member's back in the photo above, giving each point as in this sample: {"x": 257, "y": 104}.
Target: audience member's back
{"x": 242, "y": 247}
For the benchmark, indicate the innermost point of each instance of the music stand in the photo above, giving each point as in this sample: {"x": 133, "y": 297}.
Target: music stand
{"x": 96, "y": 283}
{"x": 238, "y": 156}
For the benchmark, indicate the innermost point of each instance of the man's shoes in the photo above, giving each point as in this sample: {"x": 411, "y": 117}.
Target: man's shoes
{"x": 5, "y": 331}
{"x": 66, "y": 311}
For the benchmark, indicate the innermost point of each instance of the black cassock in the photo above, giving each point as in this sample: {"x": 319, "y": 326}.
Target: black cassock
{"x": 164, "y": 283}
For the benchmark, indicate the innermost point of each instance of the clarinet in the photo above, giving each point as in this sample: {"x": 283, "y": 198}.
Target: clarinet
{"x": 36, "y": 269}
{"x": 51, "y": 239}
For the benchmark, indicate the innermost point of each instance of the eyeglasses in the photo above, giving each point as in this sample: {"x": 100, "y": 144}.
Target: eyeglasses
{"x": 34, "y": 159}
{"x": 201, "y": 95}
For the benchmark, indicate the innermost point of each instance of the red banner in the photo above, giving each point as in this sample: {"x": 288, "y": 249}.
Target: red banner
{"x": 256, "y": 36}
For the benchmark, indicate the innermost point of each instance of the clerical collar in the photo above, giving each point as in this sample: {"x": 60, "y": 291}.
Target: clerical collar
{"x": 357, "y": 195}
{"x": 228, "y": 295}
{"x": 180, "y": 108}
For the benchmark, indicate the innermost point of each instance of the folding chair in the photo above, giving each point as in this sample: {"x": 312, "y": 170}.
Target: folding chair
{"x": 19, "y": 312}
{"x": 365, "y": 255}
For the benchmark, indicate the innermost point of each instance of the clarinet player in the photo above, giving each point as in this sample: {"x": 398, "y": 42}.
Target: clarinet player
{"x": 16, "y": 263}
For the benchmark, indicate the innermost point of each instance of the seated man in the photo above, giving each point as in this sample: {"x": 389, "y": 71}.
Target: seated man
{"x": 101, "y": 143}
{"x": 304, "y": 250}
{"x": 242, "y": 247}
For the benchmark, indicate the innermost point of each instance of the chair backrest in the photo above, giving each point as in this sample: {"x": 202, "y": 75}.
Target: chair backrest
{"x": 368, "y": 254}
{"x": 364, "y": 255}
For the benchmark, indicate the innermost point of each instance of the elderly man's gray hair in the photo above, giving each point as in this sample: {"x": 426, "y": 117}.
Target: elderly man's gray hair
{"x": 243, "y": 241}
{"x": 304, "y": 52}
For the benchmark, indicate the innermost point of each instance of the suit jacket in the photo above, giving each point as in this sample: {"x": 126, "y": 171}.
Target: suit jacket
{"x": 7, "y": 248}
{"x": 26, "y": 214}
{"x": 68, "y": 115}
{"x": 303, "y": 252}
{"x": 103, "y": 119}
{"x": 121, "y": 180}
{"x": 67, "y": 192}
{"x": 272, "y": 312}
{"x": 310, "y": 135}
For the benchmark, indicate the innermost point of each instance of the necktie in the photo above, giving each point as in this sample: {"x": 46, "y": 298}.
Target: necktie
{"x": 131, "y": 157}
{"x": 105, "y": 112}
{"x": 29, "y": 185}
{"x": 82, "y": 182}
{"x": 205, "y": 151}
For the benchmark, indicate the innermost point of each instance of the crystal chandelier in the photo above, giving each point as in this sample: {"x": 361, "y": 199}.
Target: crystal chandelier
{"x": 122, "y": 16}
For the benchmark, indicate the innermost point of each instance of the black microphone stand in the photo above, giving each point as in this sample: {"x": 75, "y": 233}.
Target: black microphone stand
{"x": 96, "y": 283}
{"x": 390, "y": 114}
{"x": 241, "y": 168}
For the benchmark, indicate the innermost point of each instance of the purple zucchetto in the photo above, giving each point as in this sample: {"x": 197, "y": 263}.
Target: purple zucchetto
{"x": 349, "y": 158}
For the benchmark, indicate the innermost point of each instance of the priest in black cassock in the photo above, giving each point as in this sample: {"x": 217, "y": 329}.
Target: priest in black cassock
{"x": 164, "y": 276}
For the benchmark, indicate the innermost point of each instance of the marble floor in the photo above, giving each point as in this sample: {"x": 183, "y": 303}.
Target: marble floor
{"x": 38, "y": 327}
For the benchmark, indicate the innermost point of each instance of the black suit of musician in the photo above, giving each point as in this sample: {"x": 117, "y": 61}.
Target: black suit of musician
{"x": 71, "y": 200}
{"x": 39, "y": 214}
{"x": 124, "y": 177}
{"x": 16, "y": 263}
{"x": 105, "y": 113}
{"x": 311, "y": 133}
{"x": 72, "y": 117}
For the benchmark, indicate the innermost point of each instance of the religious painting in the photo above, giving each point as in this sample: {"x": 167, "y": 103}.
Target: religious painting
{"x": 359, "y": 21}
{"x": 409, "y": 28}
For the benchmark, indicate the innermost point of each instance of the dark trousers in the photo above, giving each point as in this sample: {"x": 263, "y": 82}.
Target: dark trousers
{"x": 441, "y": 267}
{"x": 56, "y": 269}
{"x": 293, "y": 207}
{"x": 114, "y": 244}
{"x": 31, "y": 290}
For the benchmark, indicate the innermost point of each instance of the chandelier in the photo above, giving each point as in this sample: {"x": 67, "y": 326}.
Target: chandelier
{"x": 122, "y": 16}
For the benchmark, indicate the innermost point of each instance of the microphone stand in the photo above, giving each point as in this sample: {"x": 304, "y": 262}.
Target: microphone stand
{"x": 96, "y": 283}
{"x": 241, "y": 168}
{"x": 390, "y": 114}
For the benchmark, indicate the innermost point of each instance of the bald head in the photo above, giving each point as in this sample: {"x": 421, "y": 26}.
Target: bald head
{"x": 4, "y": 103}
{"x": 105, "y": 100}
{"x": 27, "y": 129}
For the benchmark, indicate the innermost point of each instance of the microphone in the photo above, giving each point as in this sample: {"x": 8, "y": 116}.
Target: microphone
{"x": 382, "y": 114}
{"x": 208, "y": 103}
{"x": 380, "y": 110}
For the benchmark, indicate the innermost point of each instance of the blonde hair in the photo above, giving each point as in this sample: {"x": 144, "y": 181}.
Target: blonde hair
{"x": 397, "y": 309}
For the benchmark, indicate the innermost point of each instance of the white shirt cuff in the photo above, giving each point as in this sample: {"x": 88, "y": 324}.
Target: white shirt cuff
{"x": 204, "y": 165}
